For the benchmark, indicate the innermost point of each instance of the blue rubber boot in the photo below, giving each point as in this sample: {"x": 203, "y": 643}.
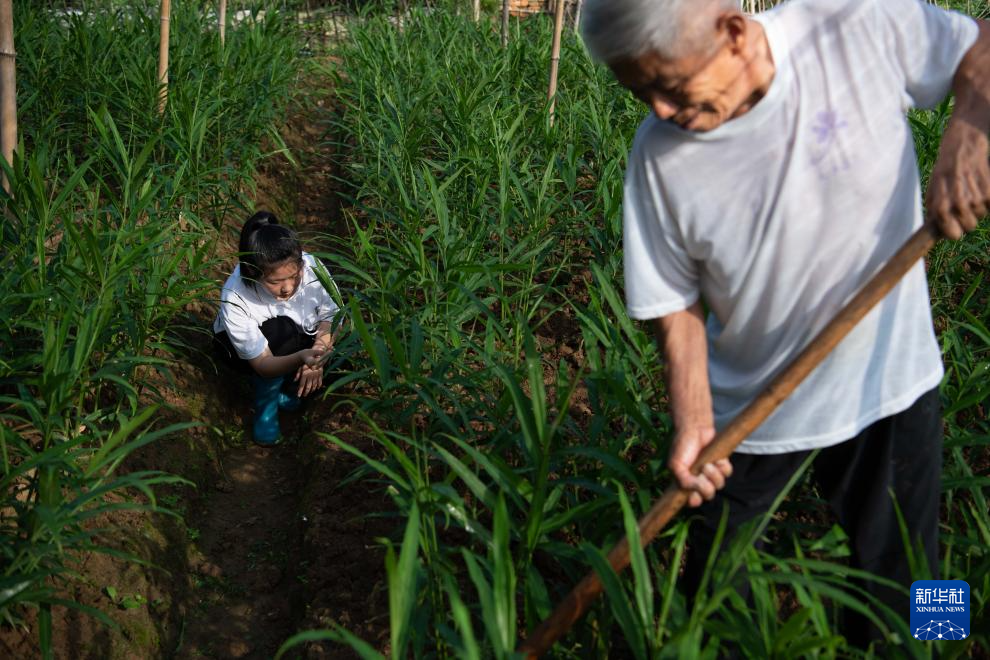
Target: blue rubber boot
{"x": 267, "y": 392}
{"x": 289, "y": 402}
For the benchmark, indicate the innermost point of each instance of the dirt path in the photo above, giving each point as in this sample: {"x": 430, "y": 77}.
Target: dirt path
{"x": 249, "y": 538}
{"x": 281, "y": 547}
{"x": 270, "y": 542}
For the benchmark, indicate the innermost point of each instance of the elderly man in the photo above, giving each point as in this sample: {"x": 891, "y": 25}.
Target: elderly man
{"x": 776, "y": 173}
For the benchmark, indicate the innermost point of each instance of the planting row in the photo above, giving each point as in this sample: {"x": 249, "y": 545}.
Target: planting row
{"x": 520, "y": 412}
{"x": 108, "y": 234}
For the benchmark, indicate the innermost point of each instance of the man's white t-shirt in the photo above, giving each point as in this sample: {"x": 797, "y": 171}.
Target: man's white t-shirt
{"x": 776, "y": 218}
{"x": 243, "y": 308}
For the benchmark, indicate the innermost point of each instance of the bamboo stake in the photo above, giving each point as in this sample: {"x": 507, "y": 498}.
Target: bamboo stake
{"x": 163, "y": 56}
{"x": 8, "y": 86}
{"x": 577, "y": 15}
{"x": 505, "y": 23}
{"x": 476, "y": 10}
{"x": 223, "y": 22}
{"x": 580, "y": 598}
{"x": 558, "y": 27}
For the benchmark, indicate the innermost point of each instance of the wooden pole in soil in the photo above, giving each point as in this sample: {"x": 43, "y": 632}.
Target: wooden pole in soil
{"x": 8, "y": 86}
{"x": 163, "y": 56}
{"x": 577, "y": 602}
{"x": 223, "y": 22}
{"x": 558, "y": 27}
{"x": 476, "y": 10}
{"x": 505, "y": 23}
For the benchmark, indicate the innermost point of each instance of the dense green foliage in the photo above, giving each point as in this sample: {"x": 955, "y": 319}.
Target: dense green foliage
{"x": 520, "y": 412}
{"x": 516, "y": 402}
{"x": 106, "y": 237}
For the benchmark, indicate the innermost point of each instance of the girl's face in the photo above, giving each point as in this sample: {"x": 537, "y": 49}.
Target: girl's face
{"x": 282, "y": 279}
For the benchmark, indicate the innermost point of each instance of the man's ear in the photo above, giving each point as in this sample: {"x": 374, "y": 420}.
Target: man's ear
{"x": 733, "y": 25}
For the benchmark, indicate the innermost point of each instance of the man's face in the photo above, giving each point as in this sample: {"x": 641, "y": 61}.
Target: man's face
{"x": 696, "y": 92}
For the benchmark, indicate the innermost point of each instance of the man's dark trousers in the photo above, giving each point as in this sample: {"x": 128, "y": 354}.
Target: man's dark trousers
{"x": 901, "y": 453}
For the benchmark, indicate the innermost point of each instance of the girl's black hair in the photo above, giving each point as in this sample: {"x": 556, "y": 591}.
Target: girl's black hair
{"x": 265, "y": 243}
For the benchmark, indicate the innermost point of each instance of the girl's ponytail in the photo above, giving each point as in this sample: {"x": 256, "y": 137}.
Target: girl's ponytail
{"x": 265, "y": 243}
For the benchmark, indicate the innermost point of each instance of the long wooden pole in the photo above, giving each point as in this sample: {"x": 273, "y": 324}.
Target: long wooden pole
{"x": 505, "y": 23}
{"x": 577, "y": 602}
{"x": 223, "y": 21}
{"x": 558, "y": 28}
{"x": 8, "y": 86}
{"x": 577, "y": 15}
{"x": 476, "y": 10}
{"x": 163, "y": 56}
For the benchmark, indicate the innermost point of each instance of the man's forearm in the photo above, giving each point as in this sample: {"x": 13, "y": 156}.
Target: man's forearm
{"x": 971, "y": 84}
{"x": 682, "y": 338}
{"x": 959, "y": 187}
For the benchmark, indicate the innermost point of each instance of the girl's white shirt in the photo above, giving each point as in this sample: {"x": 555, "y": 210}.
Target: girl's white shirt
{"x": 244, "y": 307}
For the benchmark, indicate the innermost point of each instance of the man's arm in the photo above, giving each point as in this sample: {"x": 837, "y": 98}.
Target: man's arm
{"x": 959, "y": 188}
{"x": 682, "y": 338}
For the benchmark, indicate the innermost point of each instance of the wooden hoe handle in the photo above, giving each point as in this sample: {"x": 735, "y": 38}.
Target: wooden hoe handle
{"x": 577, "y": 602}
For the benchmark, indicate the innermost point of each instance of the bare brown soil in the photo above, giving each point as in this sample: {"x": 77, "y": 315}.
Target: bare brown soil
{"x": 269, "y": 543}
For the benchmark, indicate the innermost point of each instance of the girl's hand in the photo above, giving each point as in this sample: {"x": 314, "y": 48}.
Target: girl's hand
{"x": 310, "y": 379}
{"x": 310, "y": 357}
{"x": 324, "y": 343}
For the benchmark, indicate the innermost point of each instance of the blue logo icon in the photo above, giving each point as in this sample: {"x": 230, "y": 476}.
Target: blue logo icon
{"x": 939, "y": 610}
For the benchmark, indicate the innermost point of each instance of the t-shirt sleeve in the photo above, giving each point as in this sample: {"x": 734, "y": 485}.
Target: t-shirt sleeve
{"x": 660, "y": 276}
{"x": 926, "y": 44}
{"x": 243, "y": 331}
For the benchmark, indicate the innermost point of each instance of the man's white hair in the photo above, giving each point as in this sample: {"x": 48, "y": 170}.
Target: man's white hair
{"x": 616, "y": 30}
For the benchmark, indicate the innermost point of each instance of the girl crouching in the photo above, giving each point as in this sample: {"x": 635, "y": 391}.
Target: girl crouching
{"x": 274, "y": 320}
